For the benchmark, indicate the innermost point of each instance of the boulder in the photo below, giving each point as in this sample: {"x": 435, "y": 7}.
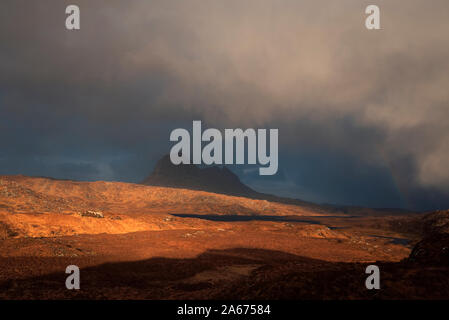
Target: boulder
{"x": 432, "y": 250}
{"x": 92, "y": 214}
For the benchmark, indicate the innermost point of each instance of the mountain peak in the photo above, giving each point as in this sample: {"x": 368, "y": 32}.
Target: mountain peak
{"x": 210, "y": 179}
{"x": 189, "y": 176}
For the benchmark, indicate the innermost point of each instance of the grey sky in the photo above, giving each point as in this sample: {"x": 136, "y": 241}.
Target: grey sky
{"x": 362, "y": 115}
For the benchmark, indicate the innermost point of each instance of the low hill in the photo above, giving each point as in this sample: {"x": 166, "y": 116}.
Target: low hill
{"x": 41, "y": 207}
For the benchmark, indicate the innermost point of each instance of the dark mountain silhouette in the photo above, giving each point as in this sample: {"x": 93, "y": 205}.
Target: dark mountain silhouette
{"x": 189, "y": 176}
{"x": 211, "y": 179}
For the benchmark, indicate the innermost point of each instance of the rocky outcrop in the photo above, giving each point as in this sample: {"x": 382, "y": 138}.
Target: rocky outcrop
{"x": 436, "y": 222}
{"x": 92, "y": 214}
{"x": 433, "y": 249}
{"x": 6, "y": 231}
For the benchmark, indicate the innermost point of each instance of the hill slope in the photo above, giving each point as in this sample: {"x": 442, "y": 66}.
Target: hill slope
{"x": 42, "y": 207}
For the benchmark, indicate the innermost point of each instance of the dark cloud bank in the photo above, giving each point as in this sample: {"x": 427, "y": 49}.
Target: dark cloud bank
{"x": 362, "y": 115}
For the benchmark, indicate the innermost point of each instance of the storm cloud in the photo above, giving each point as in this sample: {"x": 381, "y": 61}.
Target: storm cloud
{"x": 362, "y": 115}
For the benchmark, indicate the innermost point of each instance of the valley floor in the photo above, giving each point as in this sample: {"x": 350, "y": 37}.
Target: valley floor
{"x": 130, "y": 242}
{"x": 220, "y": 260}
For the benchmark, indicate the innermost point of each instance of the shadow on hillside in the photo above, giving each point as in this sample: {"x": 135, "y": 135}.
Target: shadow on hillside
{"x": 238, "y": 273}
